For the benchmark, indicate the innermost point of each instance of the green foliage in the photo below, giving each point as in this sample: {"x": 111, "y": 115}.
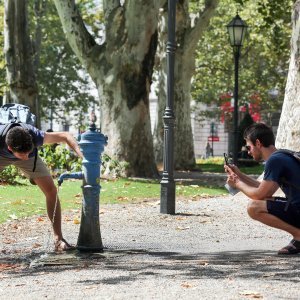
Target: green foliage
{"x": 59, "y": 159}
{"x": 63, "y": 84}
{"x": 9, "y": 175}
{"x": 113, "y": 168}
{"x": 263, "y": 63}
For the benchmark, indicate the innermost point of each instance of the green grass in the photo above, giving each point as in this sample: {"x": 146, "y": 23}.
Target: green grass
{"x": 26, "y": 200}
{"x": 216, "y": 165}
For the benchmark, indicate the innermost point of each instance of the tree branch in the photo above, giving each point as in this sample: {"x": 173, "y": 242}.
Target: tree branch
{"x": 109, "y": 6}
{"x": 201, "y": 24}
{"x": 80, "y": 40}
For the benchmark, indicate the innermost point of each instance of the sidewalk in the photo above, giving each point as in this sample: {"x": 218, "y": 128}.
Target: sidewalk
{"x": 209, "y": 250}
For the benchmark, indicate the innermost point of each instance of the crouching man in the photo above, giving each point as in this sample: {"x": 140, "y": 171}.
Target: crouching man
{"x": 281, "y": 170}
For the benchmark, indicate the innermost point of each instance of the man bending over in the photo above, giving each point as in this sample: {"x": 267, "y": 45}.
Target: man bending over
{"x": 20, "y": 149}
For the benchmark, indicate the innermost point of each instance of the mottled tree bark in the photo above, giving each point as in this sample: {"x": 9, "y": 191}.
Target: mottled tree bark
{"x": 187, "y": 36}
{"x": 288, "y": 134}
{"x": 122, "y": 68}
{"x": 19, "y": 56}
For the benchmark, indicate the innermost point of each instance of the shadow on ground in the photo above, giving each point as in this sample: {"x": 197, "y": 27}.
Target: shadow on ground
{"x": 129, "y": 264}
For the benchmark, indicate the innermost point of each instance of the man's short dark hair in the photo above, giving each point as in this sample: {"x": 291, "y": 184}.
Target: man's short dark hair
{"x": 261, "y": 132}
{"x": 19, "y": 140}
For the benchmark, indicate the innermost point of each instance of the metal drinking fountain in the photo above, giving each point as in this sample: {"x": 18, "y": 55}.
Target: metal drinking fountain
{"x": 91, "y": 144}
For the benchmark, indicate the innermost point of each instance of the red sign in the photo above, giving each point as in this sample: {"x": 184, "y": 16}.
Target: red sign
{"x": 213, "y": 139}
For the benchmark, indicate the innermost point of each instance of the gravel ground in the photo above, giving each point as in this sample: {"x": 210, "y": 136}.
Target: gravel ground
{"x": 209, "y": 250}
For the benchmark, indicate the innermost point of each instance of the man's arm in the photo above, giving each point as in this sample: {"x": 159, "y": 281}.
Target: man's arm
{"x": 264, "y": 190}
{"x": 243, "y": 177}
{"x": 62, "y": 137}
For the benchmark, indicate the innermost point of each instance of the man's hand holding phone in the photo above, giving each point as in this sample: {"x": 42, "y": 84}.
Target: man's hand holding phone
{"x": 227, "y": 166}
{"x": 230, "y": 167}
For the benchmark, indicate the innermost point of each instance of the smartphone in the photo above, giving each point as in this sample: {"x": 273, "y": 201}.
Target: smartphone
{"x": 226, "y": 159}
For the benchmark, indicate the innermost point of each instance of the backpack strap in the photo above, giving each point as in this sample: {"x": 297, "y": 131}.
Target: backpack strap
{"x": 296, "y": 156}
{"x": 292, "y": 153}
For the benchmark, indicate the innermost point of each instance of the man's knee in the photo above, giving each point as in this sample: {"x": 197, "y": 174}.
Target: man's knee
{"x": 255, "y": 208}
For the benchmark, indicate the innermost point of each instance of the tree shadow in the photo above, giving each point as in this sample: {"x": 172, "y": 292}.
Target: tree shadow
{"x": 132, "y": 264}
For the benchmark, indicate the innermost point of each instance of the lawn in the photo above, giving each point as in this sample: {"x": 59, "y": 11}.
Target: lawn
{"x": 17, "y": 201}
{"x": 25, "y": 200}
{"x": 216, "y": 165}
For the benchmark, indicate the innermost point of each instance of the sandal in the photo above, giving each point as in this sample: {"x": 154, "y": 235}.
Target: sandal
{"x": 292, "y": 248}
{"x": 63, "y": 245}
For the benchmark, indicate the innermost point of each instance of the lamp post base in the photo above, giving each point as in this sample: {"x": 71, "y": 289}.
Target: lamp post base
{"x": 90, "y": 249}
{"x": 167, "y": 196}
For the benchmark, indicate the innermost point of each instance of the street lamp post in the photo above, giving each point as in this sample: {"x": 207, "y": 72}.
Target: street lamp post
{"x": 237, "y": 29}
{"x": 167, "y": 195}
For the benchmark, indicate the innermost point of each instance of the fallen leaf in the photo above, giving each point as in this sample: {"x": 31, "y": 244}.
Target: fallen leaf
{"x": 40, "y": 219}
{"x": 76, "y": 221}
{"x": 8, "y": 241}
{"x": 251, "y": 294}
{"x": 36, "y": 245}
{"x": 182, "y": 228}
{"x": 17, "y": 202}
{"x": 121, "y": 198}
{"x": 186, "y": 285}
{"x": 8, "y": 266}
{"x": 203, "y": 263}
{"x": 78, "y": 195}
{"x": 205, "y": 221}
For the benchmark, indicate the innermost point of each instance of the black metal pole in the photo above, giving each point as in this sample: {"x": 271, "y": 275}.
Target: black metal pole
{"x": 236, "y": 107}
{"x": 212, "y": 139}
{"x": 167, "y": 194}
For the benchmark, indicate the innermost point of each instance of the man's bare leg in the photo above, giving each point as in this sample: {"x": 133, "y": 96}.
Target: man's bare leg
{"x": 47, "y": 186}
{"x": 257, "y": 210}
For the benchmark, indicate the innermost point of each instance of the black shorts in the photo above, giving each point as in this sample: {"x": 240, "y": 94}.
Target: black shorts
{"x": 277, "y": 208}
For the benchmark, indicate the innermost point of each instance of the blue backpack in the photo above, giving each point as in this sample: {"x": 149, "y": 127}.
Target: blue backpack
{"x": 14, "y": 114}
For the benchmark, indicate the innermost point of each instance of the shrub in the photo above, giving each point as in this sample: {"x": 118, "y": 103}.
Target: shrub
{"x": 9, "y": 175}
{"x": 113, "y": 168}
{"x": 60, "y": 159}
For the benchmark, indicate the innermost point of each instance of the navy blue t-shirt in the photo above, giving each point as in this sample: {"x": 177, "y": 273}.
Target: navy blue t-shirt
{"x": 38, "y": 136}
{"x": 282, "y": 165}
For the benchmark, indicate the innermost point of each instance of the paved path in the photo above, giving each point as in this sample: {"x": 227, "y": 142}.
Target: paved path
{"x": 209, "y": 250}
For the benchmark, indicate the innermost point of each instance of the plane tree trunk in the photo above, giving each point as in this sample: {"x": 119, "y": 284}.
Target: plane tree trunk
{"x": 19, "y": 56}
{"x": 288, "y": 133}
{"x": 122, "y": 69}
